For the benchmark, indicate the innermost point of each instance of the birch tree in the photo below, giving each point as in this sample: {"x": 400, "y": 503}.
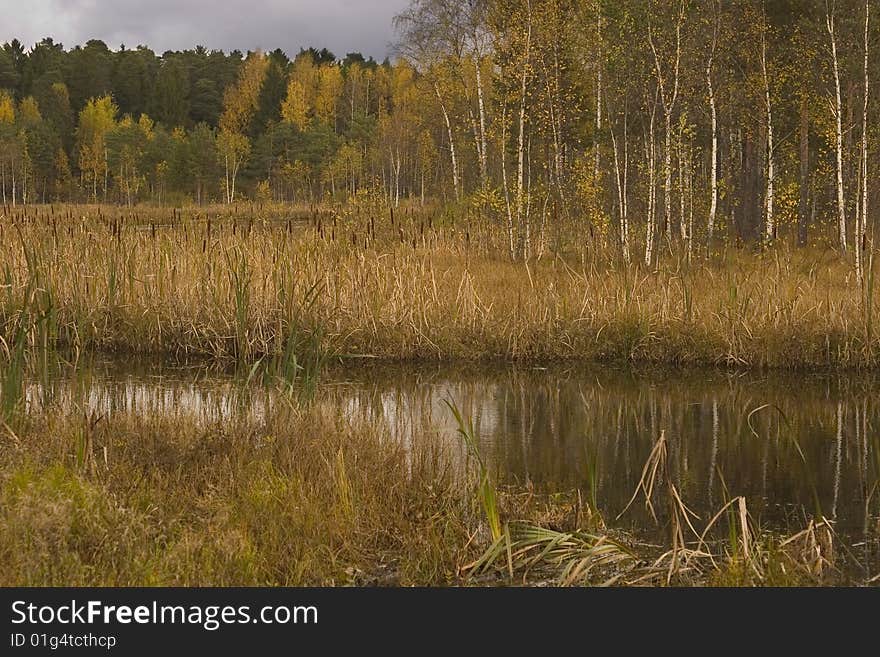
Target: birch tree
{"x": 837, "y": 109}
{"x": 770, "y": 218}
{"x": 713, "y": 166}
{"x": 422, "y": 42}
{"x": 862, "y": 219}
{"x": 240, "y": 104}
{"x": 668, "y": 98}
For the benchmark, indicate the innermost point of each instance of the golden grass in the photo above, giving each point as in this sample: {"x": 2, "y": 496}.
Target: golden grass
{"x": 307, "y": 497}
{"x": 240, "y": 289}
{"x": 304, "y": 498}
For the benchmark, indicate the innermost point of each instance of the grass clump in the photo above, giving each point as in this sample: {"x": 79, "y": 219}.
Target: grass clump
{"x": 302, "y": 498}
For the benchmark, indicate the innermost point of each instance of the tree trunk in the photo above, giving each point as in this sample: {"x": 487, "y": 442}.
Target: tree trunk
{"x": 838, "y": 116}
{"x": 667, "y": 178}
{"x": 505, "y": 186}
{"x": 650, "y": 156}
{"x": 446, "y": 119}
{"x": 483, "y": 151}
{"x": 713, "y": 181}
{"x": 669, "y": 100}
{"x": 682, "y": 224}
{"x": 862, "y": 224}
{"x": 713, "y": 168}
{"x": 620, "y": 175}
{"x": 226, "y": 167}
{"x": 521, "y": 218}
{"x": 770, "y": 219}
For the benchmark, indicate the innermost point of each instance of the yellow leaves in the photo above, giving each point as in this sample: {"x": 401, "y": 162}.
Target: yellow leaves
{"x": 7, "y": 108}
{"x": 96, "y": 119}
{"x": 427, "y": 151}
{"x": 98, "y": 116}
{"x": 264, "y": 191}
{"x": 296, "y": 107}
{"x": 232, "y": 145}
{"x": 60, "y": 90}
{"x": 29, "y": 112}
{"x": 241, "y": 99}
{"x": 146, "y": 124}
{"x": 330, "y": 84}
{"x": 295, "y": 172}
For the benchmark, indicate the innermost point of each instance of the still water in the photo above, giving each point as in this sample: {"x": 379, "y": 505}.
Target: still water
{"x": 795, "y": 445}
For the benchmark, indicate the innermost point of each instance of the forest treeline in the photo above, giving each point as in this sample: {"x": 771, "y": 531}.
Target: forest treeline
{"x": 637, "y": 119}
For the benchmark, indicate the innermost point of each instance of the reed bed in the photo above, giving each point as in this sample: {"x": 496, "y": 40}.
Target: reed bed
{"x": 309, "y": 497}
{"x": 421, "y": 285}
{"x": 302, "y": 498}
{"x": 306, "y": 495}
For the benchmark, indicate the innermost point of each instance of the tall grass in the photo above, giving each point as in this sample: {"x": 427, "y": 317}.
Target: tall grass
{"x": 307, "y": 496}
{"x": 485, "y": 487}
{"x": 303, "y": 497}
{"x": 426, "y": 287}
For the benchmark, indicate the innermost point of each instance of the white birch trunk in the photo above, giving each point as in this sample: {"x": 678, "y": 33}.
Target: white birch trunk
{"x": 484, "y": 151}
{"x": 713, "y": 169}
{"x": 505, "y": 186}
{"x": 862, "y": 224}
{"x": 650, "y": 156}
{"x": 521, "y": 151}
{"x": 449, "y": 132}
{"x": 668, "y": 100}
{"x": 770, "y": 222}
{"x": 621, "y": 174}
{"x": 838, "y": 116}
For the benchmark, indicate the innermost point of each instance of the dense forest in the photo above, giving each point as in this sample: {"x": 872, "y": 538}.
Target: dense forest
{"x": 689, "y": 119}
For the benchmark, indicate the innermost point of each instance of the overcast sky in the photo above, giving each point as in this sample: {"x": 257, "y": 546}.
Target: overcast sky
{"x": 341, "y": 25}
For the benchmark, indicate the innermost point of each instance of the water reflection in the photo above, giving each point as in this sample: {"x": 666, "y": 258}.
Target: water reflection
{"x": 793, "y": 445}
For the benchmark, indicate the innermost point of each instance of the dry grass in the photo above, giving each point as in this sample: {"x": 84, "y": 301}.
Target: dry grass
{"x": 303, "y": 498}
{"x": 243, "y": 286}
{"x": 307, "y": 497}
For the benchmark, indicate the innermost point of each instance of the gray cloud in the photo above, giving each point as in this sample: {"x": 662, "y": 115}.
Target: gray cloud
{"x": 340, "y": 25}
